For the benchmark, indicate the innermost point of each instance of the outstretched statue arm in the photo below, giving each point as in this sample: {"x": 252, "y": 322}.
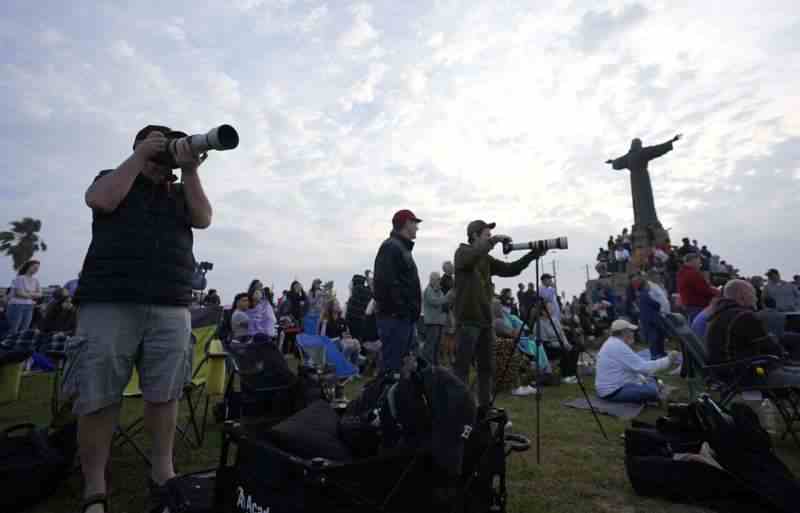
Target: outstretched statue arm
{"x": 652, "y": 152}
{"x": 619, "y": 162}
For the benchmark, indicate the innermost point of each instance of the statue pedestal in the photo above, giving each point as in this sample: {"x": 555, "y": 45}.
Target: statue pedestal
{"x": 643, "y": 240}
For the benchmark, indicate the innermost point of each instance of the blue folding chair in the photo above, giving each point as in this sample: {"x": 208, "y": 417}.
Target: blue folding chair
{"x": 319, "y": 352}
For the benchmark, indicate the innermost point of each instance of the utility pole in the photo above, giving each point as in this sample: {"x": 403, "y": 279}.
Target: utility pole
{"x": 555, "y": 277}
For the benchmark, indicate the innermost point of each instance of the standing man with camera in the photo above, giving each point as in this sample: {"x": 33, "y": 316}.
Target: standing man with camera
{"x": 398, "y": 293}
{"x": 475, "y": 337}
{"x": 134, "y": 293}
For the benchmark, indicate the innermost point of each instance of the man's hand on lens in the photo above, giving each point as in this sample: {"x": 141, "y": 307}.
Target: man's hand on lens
{"x": 537, "y": 253}
{"x": 499, "y": 238}
{"x": 152, "y": 145}
{"x": 184, "y": 155}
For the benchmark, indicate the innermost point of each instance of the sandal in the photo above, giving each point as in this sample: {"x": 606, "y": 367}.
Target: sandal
{"x": 98, "y": 498}
{"x": 164, "y": 497}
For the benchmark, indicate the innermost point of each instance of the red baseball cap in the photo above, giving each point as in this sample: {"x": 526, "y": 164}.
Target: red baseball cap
{"x": 401, "y": 216}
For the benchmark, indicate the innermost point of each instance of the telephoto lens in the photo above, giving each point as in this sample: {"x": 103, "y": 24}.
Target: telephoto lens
{"x": 538, "y": 245}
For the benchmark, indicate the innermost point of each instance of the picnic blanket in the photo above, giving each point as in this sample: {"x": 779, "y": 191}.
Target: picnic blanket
{"x": 624, "y": 411}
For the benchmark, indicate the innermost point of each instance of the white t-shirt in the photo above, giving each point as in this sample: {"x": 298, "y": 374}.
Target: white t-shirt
{"x": 240, "y": 324}
{"x": 618, "y": 365}
{"x": 620, "y": 255}
{"x": 659, "y": 295}
{"x": 27, "y": 284}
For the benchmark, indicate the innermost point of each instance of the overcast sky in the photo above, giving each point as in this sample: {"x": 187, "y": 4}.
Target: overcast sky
{"x": 347, "y": 112}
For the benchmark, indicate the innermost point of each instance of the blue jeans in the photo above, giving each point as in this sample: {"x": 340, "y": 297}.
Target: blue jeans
{"x": 635, "y": 393}
{"x": 654, "y": 336}
{"x": 19, "y": 317}
{"x": 692, "y": 311}
{"x": 310, "y": 324}
{"x": 398, "y": 339}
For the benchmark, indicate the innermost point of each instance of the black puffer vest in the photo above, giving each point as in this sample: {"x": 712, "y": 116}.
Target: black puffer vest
{"x": 142, "y": 251}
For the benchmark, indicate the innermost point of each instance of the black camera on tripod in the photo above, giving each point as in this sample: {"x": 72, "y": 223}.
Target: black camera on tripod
{"x": 539, "y": 245}
{"x": 199, "y": 281}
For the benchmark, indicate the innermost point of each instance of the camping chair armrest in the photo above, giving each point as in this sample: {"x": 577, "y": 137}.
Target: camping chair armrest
{"x": 767, "y": 360}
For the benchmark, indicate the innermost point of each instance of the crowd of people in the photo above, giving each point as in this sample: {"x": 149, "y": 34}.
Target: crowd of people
{"x": 736, "y": 319}
{"x": 26, "y": 305}
{"x": 130, "y": 315}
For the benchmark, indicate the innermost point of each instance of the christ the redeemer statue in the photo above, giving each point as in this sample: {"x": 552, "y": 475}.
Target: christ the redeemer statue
{"x": 636, "y": 160}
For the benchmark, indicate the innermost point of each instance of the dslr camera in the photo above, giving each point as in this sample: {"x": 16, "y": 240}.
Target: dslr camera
{"x": 221, "y": 138}
{"x": 539, "y": 245}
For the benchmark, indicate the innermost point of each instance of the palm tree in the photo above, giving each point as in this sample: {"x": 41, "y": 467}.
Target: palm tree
{"x": 22, "y": 241}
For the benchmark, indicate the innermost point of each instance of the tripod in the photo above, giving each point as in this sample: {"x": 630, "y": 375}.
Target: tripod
{"x": 534, "y": 314}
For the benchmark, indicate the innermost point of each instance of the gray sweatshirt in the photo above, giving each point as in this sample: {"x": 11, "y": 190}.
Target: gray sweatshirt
{"x": 433, "y": 301}
{"x": 786, "y": 296}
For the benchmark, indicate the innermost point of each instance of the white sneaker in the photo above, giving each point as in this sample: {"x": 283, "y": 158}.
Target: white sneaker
{"x": 570, "y": 380}
{"x": 509, "y": 424}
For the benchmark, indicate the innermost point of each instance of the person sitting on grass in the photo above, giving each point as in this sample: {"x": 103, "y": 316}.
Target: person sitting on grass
{"x": 334, "y": 326}
{"x": 240, "y": 321}
{"x": 622, "y": 375}
{"x": 507, "y": 329}
{"x": 261, "y": 313}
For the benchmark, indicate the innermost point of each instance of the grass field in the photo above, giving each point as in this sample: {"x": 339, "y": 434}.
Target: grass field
{"x": 579, "y": 470}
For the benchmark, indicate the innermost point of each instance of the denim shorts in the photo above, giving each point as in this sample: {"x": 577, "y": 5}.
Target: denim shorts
{"x": 111, "y": 338}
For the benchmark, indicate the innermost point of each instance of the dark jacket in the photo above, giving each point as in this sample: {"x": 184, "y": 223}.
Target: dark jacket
{"x": 736, "y": 332}
{"x": 398, "y": 292}
{"x": 142, "y": 251}
{"x": 57, "y": 319}
{"x": 298, "y": 304}
{"x": 447, "y": 282}
{"x": 474, "y": 269}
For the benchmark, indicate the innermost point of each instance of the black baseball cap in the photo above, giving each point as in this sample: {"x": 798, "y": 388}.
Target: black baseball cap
{"x": 773, "y": 271}
{"x": 478, "y": 226}
{"x": 546, "y": 276}
{"x": 167, "y": 131}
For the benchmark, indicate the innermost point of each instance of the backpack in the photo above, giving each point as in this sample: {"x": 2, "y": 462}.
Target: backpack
{"x": 33, "y": 463}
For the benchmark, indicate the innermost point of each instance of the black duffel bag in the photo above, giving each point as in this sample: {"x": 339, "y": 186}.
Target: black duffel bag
{"x": 33, "y": 463}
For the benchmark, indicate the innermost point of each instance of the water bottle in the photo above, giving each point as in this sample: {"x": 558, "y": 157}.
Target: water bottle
{"x": 769, "y": 417}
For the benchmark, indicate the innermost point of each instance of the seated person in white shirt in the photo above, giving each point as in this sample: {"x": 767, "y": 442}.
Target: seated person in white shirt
{"x": 240, "y": 321}
{"x": 624, "y": 376}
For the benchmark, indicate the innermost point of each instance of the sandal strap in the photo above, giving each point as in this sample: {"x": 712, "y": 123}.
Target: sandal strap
{"x": 97, "y": 498}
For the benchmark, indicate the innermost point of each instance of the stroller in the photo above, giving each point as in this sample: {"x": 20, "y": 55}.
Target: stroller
{"x": 403, "y": 445}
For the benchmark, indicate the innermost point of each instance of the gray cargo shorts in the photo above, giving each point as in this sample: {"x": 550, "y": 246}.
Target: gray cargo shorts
{"x": 111, "y": 338}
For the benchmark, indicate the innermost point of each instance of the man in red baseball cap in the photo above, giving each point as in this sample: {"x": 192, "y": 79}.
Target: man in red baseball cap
{"x": 397, "y": 290}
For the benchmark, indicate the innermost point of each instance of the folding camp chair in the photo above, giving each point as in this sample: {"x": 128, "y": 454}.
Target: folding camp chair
{"x": 732, "y": 378}
{"x": 207, "y": 362}
{"x": 268, "y": 391}
{"x": 204, "y": 327}
{"x": 12, "y": 364}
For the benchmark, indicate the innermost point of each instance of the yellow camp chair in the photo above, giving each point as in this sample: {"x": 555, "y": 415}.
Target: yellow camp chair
{"x": 204, "y": 328}
{"x": 11, "y": 380}
{"x": 208, "y": 372}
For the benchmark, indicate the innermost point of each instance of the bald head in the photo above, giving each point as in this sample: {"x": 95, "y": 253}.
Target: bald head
{"x": 740, "y": 291}
{"x": 636, "y": 144}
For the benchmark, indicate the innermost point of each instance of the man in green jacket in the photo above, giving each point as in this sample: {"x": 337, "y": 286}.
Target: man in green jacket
{"x": 473, "y": 303}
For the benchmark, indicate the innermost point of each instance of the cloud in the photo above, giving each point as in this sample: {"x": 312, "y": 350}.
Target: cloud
{"x": 314, "y": 19}
{"x": 455, "y": 110}
{"x": 361, "y": 31}
{"x": 598, "y": 27}
{"x": 363, "y": 91}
